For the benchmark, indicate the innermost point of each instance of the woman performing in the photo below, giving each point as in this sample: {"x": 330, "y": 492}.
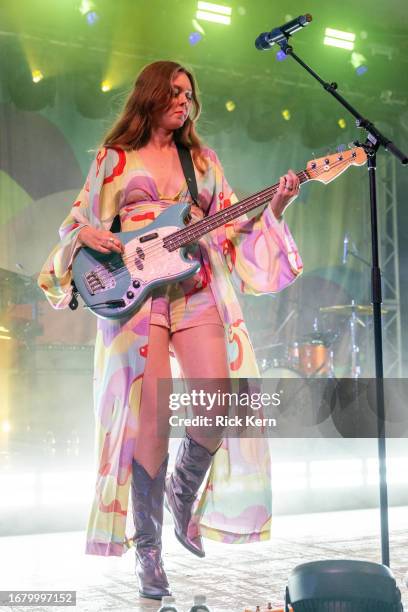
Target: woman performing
{"x": 137, "y": 174}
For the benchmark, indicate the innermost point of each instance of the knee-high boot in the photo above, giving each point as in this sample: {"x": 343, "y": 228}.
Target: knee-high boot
{"x": 192, "y": 463}
{"x": 147, "y": 499}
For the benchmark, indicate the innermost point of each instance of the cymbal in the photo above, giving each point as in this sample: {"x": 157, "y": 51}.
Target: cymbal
{"x": 348, "y": 309}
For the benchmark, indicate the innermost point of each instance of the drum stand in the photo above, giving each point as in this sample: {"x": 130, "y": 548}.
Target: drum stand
{"x": 355, "y": 349}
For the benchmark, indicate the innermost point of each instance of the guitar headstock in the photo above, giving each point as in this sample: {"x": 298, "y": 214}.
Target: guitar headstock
{"x": 325, "y": 169}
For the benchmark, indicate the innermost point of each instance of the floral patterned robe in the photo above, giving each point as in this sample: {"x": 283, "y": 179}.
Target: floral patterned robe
{"x": 259, "y": 256}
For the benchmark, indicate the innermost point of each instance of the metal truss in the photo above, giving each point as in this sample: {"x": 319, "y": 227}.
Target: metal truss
{"x": 389, "y": 262}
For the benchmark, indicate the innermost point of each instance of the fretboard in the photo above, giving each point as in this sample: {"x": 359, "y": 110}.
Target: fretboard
{"x": 200, "y": 228}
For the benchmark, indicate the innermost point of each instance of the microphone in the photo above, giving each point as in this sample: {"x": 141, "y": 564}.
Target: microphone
{"x": 267, "y": 39}
{"x": 345, "y": 249}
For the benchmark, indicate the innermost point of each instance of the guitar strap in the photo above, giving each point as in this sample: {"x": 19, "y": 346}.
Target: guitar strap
{"x": 189, "y": 174}
{"x": 188, "y": 169}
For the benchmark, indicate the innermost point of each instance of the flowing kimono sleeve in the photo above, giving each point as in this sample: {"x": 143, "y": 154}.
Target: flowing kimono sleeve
{"x": 96, "y": 205}
{"x": 260, "y": 251}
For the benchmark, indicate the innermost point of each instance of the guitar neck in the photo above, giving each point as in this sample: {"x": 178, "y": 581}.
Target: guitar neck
{"x": 196, "y": 230}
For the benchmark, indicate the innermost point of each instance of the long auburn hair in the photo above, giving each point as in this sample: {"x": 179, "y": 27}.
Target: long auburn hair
{"x": 152, "y": 93}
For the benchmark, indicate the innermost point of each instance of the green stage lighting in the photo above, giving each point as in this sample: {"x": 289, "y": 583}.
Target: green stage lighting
{"x": 106, "y": 86}
{"x": 86, "y": 7}
{"x": 30, "y": 90}
{"x": 37, "y": 76}
{"x": 207, "y": 11}
{"x": 338, "y": 38}
{"x": 358, "y": 61}
{"x": 93, "y": 95}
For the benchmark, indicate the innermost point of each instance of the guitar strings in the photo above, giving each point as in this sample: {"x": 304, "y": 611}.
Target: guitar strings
{"x": 158, "y": 244}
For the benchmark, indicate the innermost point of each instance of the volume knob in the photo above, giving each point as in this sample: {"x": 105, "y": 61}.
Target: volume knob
{"x": 130, "y": 295}
{"x": 136, "y": 284}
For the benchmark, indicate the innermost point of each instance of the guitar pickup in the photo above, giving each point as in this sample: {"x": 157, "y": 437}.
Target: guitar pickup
{"x": 149, "y": 237}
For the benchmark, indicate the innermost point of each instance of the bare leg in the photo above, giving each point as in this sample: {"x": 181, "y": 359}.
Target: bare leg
{"x": 151, "y": 445}
{"x": 201, "y": 353}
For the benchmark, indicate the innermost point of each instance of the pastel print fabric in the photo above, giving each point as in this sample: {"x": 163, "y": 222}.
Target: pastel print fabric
{"x": 256, "y": 255}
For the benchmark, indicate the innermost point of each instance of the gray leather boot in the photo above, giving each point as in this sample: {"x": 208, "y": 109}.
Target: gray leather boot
{"x": 147, "y": 501}
{"x": 192, "y": 463}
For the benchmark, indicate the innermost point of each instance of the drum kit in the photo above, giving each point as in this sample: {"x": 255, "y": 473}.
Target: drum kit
{"x": 313, "y": 354}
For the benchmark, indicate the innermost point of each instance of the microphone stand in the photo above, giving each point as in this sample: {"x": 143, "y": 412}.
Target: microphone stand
{"x": 374, "y": 139}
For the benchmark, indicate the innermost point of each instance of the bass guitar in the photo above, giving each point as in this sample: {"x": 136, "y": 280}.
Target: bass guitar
{"x": 114, "y": 285}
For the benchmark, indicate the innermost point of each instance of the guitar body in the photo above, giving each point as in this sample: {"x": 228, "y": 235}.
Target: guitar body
{"x": 115, "y": 285}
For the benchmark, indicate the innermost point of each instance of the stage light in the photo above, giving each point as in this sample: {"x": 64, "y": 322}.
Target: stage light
{"x": 92, "y": 17}
{"x": 87, "y": 9}
{"x": 91, "y": 100}
{"x": 194, "y": 38}
{"x": 106, "y": 86}
{"x": 207, "y": 11}
{"x": 4, "y": 333}
{"x": 350, "y": 36}
{"x": 286, "y": 114}
{"x": 337, "y": 38}
{"x": 359, "y": 63}
{"x": 198, "y": 27}
{"x": 37, "y": 76}
{"x": 6, "y": 427}
{"x": 361, "y": 70}
{"x": 230, "y": 106}
{"x": 335, "y": 42}
{"x": 281, "y": 55}
{"x": 342, "y": 123}
{"x": 27, "y": 94}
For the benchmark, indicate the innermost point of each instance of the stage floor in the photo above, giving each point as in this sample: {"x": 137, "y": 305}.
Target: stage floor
{"x": 234, "y": 578}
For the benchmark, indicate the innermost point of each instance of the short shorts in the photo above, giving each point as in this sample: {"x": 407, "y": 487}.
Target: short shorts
{"x": 175, "y": 312}
{"x": 189, "y": 303}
